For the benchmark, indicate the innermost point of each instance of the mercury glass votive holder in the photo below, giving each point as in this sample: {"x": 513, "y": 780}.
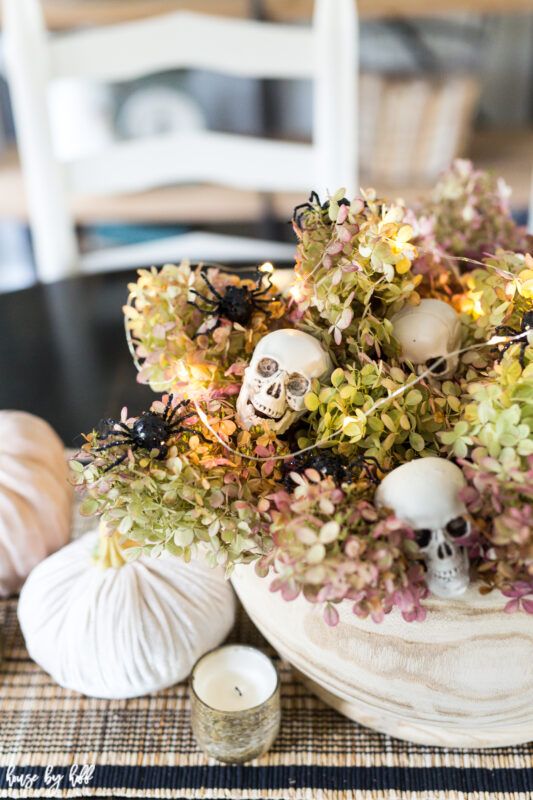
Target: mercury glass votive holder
{"x": 235, "y": 703}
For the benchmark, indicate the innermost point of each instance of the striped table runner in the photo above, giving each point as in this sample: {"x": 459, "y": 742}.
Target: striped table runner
{"x": 56, "y": 743}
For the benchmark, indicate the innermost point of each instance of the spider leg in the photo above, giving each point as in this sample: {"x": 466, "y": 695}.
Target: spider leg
{"x": 176, "y": 424}
{"x": 258, "y": 292}
{"x": 362, "y": 461}
{"x": 102, "y": 436}
{"x": 368, "y": 473}
{"x": 202, "y": 297}
{"x": 302, "y": 205}
{"x": 181, "y": 404}
{"x": 501, "y": 350}
{"x": 217, "y": 324}
{"x": 343, "y": 476}
{"x": 167, "y": 408}
{"x": 259, "y": 280}
{"x": 287, "y": 480}
{"x": 210, "y": 285}
{"x": 264, "y": 311}
{"x": 297, "y": 464}
{"x": 116, "y": 462}
{"x": 185, "y": 428}
{"x": 506, "y": 329}
{"x": 522, "y": 357}
{"x": 175, "y": 411}
{"x": 111, "y": 444}
{"x": 297, "y": 214}
{"x": 124, "y": 428}
{"x": 259, "y": 289}
{"x": 105, "y": 428}
{"x": 178, "y": 421}
{"x": 373, "y": 459}
{"x": 112, "y": 432}
{"x": 206, "y": 311}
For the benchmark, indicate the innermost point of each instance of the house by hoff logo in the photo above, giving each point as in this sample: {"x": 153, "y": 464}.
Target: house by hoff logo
{"x": 51, "y": 778}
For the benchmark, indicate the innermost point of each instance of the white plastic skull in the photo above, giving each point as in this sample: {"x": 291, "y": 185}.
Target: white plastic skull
{"x": 424, "y": 494}
{"x": 426, "y": 332}
{"x": 278, "y": 378}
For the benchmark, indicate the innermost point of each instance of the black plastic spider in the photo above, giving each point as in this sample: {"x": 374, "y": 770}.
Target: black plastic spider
{"x": 327, "y": 464}
{"x": 526, "y": 325}
{"x": 150, "y": 431}
{"x": 237, "y": 304}
{"x": 314, "y": 200}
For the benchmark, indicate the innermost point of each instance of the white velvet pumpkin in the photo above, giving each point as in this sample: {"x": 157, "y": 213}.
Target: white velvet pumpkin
{"x": 122, "y": 632}
{"x": 35, "y": 496}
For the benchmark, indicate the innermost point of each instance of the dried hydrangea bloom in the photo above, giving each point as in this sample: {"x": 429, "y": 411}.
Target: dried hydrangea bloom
{"x": 468, "y": 215}
{"x": 358, "y": 263}
{"x": 353, "y": 267}
{"x": 501, "y": 504}
{"x": 182, "y": 349}
{"x": 398, "y": 430}
{"x": 331, "y": 544}
{"x": 198, "y": 495}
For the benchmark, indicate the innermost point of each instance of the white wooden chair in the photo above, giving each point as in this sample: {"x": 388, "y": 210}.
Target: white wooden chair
{"x": 324, "y": 52}
{"x": 530, "y": 211}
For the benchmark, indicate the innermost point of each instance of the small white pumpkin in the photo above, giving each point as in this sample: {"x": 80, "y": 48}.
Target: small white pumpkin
{"x": 125, "y": 630}
{"x": 35, "y": 496}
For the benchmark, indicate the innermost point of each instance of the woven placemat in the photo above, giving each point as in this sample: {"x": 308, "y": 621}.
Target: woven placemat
{"x": 57, "y": 743}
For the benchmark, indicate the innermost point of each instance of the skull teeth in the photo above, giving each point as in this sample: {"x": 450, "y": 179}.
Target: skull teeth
{"x": 264, "y": 414}
{"x": 450, "y": 573}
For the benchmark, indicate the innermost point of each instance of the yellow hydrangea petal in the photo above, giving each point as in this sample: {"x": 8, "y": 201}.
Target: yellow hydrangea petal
{"x": 525, "y": 275}
{"x": 526, "y": 289}
{"x": 405, "y": 233}
{"x": 403, "y": 266}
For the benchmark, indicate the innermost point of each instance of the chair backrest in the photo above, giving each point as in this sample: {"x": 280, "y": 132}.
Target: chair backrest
{"x": 325, "y": 52}
{"x": 530, "y": 211}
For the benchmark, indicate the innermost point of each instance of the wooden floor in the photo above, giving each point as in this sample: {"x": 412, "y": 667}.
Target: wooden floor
{"x": 509, "y": 153}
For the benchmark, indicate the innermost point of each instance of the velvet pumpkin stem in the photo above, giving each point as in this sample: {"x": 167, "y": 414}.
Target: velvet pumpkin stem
{"x": 110, "y": 552}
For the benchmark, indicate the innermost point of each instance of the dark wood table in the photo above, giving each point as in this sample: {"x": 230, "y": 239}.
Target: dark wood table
{"x": 63, "y": 356}
{"x": 63, "y": 353}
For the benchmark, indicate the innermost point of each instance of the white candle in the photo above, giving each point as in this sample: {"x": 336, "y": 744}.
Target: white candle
{"x": 234, "y": 678}
{"x": 235, "y": 703}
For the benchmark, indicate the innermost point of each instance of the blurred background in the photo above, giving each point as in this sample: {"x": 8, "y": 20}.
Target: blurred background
{"x": 447, "y": 78}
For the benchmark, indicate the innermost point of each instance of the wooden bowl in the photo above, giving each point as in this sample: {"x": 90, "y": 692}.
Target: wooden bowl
{"x": 462, "y": 678}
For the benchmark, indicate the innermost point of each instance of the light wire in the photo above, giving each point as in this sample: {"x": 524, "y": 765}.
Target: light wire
{"x": 363, "y": 414}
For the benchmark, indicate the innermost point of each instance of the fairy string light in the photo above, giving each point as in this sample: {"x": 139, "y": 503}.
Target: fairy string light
{"x": 494, "y": 340}
{"x": 364, "y": 414}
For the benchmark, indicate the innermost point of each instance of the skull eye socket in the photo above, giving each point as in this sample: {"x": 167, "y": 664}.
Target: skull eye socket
{"x": 437, "y": 365}
{"x": 422, "y": 537}
{"x": 458, "y": 527}
{"x": 267, "y": 367}
{"x": 297, "y": 384}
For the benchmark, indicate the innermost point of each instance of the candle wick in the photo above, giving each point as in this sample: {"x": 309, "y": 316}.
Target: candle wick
{"x": 238, "y": 691}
